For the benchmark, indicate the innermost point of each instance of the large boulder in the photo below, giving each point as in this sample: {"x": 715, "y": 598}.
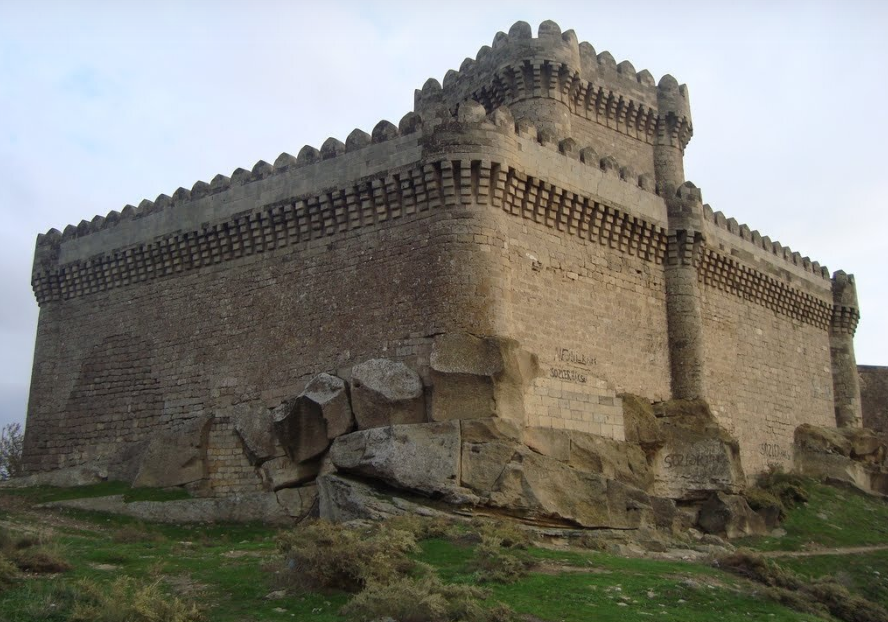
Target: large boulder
{"x": 640, "y": 423}
{"x": 343, "y": 499}
{"x": 385, "y": 393}
{"x": 299, "y": 503}
{"x": 423, "y": 458}
{"x": 857, "y": 456}
{"x": 730, "y": 516}
{"x": 282, "y": 472}
{"x": 177, "y": 457}
{"x": 307, "y": 424}
{"x": 698, "y": 456}
{"x": 253, "y": 425}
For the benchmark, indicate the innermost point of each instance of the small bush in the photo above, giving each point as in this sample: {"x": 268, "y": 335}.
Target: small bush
{"x": 426, "y": 599}
{"x": 787, "y": 588}
{"x": 760, "y": 499}
{"x": 11, "y": 445}
{"x": 494, "y": 564}
{"x": 423, "y": 527}
{"x": 507, "y": 533}
{"x": 845, "y": 605}
{"x": 42, "y": 559}
{"x": 789, "y": 488}
{"x": 324, "y": 555}
{"x": 9, "y": 572}
{"x": 129, "y": 601}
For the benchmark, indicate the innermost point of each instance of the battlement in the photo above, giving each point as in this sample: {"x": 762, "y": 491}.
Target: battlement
{"x": 554, "y": 65}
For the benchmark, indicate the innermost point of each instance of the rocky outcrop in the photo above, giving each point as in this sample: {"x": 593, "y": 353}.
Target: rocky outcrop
{"x": 730, "y": 516}
{"x": 385, "y": 392}
{"x": 463, "y": 368}
{"x": 856, "y": 456}
{"x": 423, "y": 458}
{"x": 697, "y": 456}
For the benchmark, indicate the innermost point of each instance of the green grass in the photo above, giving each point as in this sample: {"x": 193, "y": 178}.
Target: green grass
{"x": 833, "y": 517}
{"x": 863, "y": 573}
{"x": 46, "y": 494}
{"x": 231, "y": 569}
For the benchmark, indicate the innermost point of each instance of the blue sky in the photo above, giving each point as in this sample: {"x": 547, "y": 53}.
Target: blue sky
{"x": 106, "y": 103}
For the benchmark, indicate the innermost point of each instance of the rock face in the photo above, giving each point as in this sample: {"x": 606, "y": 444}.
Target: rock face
{"x": 386, "y": 392}
{"x": 697, "y": 457}
{"x": 730, "y": 516}
{"x": 422, "y": 457}
{"x": 857, "y": 456}
{"x": 176, "y": 458}
{"x": 307, "y": 424}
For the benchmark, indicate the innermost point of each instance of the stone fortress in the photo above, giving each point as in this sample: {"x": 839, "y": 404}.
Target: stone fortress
{"x": 502, "y": 293}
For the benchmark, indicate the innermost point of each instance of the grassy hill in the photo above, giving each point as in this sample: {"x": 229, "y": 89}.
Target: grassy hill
{"x": 65, "y": 565}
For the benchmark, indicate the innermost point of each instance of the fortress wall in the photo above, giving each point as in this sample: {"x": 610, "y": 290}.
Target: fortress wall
{"x": 116, "y": 366}
{"x": 595, "y": 318}
{"x": 874, "y": 396}
{"x": 766, "y": 313}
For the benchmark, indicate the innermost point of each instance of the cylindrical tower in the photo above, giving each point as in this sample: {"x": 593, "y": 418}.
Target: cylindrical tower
{"x": 846, "y": 384}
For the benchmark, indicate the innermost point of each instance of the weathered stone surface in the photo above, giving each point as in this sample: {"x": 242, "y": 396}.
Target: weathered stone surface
{"x": 462, "y": 371}
{"x": 422, "y": 457}
{"x": 300, "y": 502}
{"x": 625, "y": 462}
{"x": 343, "y": 499}
{"x": 698, "y": 456}
{"x": 306, "y": 424}
{"x": 640, "y": 423}
{"x": 73, "y": 476}
{"x": 548, "y": 442}
{"x": 177, "y": 457}
{"x": 253, "y": 424}
{"x": 329, "y": 394}
{"x": 241, "y": 508}
{"x": 489, "y": 429}
{"x": 282, "y": 472}
{"x": 483, "y": 463}
{"x": 730, "y": 516}
{"x": 386, "y": 392}
{"x": 461, "y": 353}
{"x": 853, "y": 455}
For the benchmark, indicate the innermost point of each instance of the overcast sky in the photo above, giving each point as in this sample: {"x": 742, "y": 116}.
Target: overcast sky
{"x": 106, "y": 103}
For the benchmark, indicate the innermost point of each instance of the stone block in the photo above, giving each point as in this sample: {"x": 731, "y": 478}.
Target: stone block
{"x": 299, "y": 502}
{"x": 422, "y": 458}
{"x": 282, "y": 472}
{"x": 386, "y": 393}
{"x": 253, "y": 425}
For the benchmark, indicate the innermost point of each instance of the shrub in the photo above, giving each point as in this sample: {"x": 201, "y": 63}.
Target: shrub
{"x": 9, "y": 572}
{"x": 11, "y": 444}
{"x": 424, "y": 527}
{"x": 818, "y": 597}
{"x": 32, "y": 553}
{"x": 129, "y": 601}
{"x": 507, "y": 533}
{"x": 789, "y": 488}
{"x": 323, "y": 555}
{"x": 425, "y": 599}
{"x": 493, "y": 564}
{"x": 760, "y": 499}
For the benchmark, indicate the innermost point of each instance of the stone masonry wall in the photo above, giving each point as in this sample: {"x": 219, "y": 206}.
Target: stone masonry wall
{"x": 114, "y": 366}
{"x": 874, "y": 396}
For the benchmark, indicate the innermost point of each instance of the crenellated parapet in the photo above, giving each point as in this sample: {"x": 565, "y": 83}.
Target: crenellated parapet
{"x": 518, "y": 68}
